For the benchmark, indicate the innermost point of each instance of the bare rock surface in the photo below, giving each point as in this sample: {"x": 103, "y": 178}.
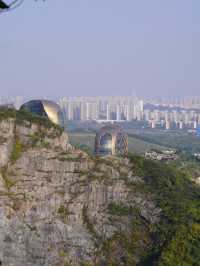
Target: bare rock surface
{"x": 59, "y": 206}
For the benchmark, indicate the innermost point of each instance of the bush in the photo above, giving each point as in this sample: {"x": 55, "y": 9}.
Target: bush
{"x": 118, "y": 210}
{"x": 7, "y": 180}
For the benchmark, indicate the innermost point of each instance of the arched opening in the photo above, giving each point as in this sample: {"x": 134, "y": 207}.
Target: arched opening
{"x": 105, "y": 144}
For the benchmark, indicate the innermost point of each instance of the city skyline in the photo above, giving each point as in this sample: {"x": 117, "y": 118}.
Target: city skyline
{"x": 183, "y": 113}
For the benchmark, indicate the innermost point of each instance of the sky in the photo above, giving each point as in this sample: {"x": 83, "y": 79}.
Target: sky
{"x": 101, "y": 47}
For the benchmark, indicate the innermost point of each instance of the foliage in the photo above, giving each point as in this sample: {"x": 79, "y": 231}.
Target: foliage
{"x": 118, "y": 209}
{"x": 87, "y": 222}
{"x": 119, "y": 243}
{"x": 6, "y": 113}
{"x": 175, "y": 240}
{"x": 35, "y": 139}
{"x": 179, "y": 200}
{"x": 7, "y": 180}
{"x": 138, "y": 164}
{"x": 23, "y": 116}
{"x": 17, "y": 150}
{"x": 85, "y": 140}
{"x": 184, "y": 247}
{"x": 63, "y": 212}
{"x": 125, "y": 248}
{"x": 62, "y": 253}
{"x": 84, "y": 148}
{"x": 185, "y": 143}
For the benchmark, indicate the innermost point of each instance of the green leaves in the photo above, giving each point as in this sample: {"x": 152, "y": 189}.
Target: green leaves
{"x": 18, "y": 148}
{"x": 177, "y": 236}
{"x": 184, "y": 248}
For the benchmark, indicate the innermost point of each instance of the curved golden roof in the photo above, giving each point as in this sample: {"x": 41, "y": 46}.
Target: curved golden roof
{"x": 45, "y": 108}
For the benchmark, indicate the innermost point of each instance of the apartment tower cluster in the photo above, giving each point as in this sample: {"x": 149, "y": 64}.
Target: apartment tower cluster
{"x": 102, "y": 108}
{"x": 171, "y": 118}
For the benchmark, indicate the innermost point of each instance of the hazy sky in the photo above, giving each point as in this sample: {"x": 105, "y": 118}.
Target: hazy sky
{"x": 101, "y": 47}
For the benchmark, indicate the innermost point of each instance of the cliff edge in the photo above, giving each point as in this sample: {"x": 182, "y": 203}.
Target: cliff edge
{"x": 59, "y": 206}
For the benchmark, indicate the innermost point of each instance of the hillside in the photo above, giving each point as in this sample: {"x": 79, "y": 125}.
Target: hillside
{"x": 85, "y": 140}
{"x": 186, "y": 143}
{"x": 59, "y": 206}
{"x": 140, "y": 140}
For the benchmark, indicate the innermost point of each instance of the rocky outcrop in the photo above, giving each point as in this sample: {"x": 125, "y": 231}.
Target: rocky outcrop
{"x": 6, "y": 140}
{"x": 58, "y": 206}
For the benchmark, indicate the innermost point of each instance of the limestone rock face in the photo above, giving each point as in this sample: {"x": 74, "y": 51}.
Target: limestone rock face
{"x": 58, "y": 206}
{"x": 6, "y": 140}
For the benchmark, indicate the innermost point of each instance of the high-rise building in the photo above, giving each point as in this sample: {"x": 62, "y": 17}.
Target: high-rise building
{"x": 102, "y": 108}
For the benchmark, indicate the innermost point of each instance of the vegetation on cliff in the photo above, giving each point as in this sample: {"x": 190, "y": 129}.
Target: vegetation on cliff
{"x": 177, "y": 236}
{"x": 77, "y": 209}
{"x": 23, "y": 116}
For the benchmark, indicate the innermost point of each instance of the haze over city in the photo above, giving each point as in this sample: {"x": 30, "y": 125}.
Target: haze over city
{"x": 101, "y": 48}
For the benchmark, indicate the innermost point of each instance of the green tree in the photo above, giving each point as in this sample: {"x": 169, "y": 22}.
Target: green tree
{"x": 184, "y": 248}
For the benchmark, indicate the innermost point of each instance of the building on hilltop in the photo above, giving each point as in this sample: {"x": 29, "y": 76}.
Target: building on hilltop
{"x": 111, "y": 140}
{"x": 165, "y": 155}
{"x": 45, "y": 108}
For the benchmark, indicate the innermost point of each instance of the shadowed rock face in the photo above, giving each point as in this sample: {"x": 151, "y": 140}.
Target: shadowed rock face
{"x": 59, "y": 206}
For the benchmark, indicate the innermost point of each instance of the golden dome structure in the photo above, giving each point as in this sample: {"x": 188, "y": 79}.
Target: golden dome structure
{"x": 45, "y": 108}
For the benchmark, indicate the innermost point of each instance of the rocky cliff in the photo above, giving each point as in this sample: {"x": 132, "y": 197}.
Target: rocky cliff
{"x": 60, "y": 207}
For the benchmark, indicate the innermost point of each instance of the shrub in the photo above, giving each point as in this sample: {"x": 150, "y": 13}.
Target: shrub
{"x": 7, "y": 180}
{"x": 118, "y": 210}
